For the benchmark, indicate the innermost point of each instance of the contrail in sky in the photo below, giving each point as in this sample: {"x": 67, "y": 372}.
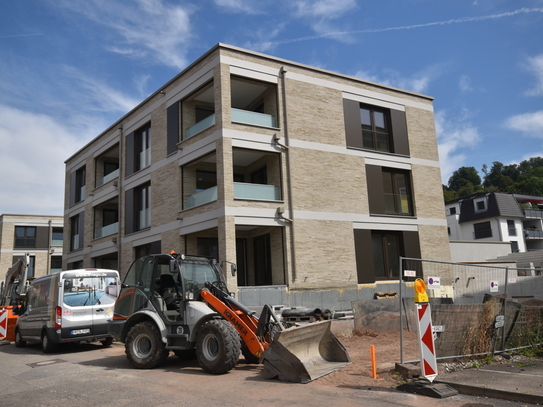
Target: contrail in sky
{"x": 410, "y": 27}
{"x": 20, "y": 35}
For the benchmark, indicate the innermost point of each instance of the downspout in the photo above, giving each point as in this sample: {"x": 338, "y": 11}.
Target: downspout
{"x": 499, "y": 230}
{"x": 289, "y": 176}
{"x": 121, "y": 211}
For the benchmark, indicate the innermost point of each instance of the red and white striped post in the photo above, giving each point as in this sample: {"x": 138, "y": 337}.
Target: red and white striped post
{"x": 428, "y": 362}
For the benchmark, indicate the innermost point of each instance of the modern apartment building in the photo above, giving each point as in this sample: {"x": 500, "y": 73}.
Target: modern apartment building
{"x": 313, "y": 183}
{"x": 39, "y": 236}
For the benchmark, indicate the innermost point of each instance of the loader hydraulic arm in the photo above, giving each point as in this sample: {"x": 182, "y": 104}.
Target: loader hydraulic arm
{"x": 244, "y": 320}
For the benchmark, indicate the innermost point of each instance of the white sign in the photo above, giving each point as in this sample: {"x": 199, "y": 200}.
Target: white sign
{"x": 511, "y": 280}
{"x": 493, "y": 286}
{"x": 500, "y": 321}
{"x": 433, "y": 283}
{"x": 438, "y": 328}
{"x": 410, "y": 273}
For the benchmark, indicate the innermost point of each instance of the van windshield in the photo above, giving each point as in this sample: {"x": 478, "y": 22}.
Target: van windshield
{"x": 80, "y": 292}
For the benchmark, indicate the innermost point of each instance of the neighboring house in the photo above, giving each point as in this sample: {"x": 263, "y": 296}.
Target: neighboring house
{"x": 307, "y": 179}
{"x": 39, "y": 236}
{"x": 497, "y": 217}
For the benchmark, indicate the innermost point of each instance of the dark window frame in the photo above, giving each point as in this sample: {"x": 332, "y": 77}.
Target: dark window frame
{"x": 25, "y": 239}
{"x": 482, "y": 230}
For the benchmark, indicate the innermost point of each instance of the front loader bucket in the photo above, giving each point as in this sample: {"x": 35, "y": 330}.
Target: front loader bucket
{"x": 305, "y": 353}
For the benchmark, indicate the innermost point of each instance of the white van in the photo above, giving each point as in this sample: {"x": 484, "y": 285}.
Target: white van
{"x": 70, "y": 306}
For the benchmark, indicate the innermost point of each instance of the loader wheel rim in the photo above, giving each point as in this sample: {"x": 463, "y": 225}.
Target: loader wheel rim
{"x": 142, "y": 346}
{"x": 210, "y": 347}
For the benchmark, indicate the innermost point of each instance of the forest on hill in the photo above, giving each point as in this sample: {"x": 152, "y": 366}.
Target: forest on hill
{"x": 524, "y": 178}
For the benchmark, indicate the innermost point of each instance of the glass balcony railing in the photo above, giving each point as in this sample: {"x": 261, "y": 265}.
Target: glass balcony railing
{"x": 57, "y": 242}
{"x": 54, "y": 271}
{"x": 248, "y": 117}
{"x": 533, "y": 213}
{"x": 145, "y": 218}
{"x": 107, "y": 230}
{"x": 200, "y": 126}
{"x": 533, "y": 234}
{"x": 256, "y": 191}
{"x": 145, "y": 158}
{"x": 398, "y": 204}
{"x": 202, "y": 197}
{"x": 108, "y": 177}
{"x": 75, "y": 242}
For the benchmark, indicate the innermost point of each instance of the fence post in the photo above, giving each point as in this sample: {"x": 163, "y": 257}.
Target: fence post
{"x": 505, "y": 308}
{"x": 401, "y": 316}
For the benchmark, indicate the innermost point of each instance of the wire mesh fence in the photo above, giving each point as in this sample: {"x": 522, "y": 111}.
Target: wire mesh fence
{"x": 476, "y": 309}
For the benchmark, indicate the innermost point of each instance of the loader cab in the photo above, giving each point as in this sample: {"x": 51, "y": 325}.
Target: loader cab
{"x": 164, "y": 282}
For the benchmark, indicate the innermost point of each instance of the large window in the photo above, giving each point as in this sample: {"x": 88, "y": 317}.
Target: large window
{"x": 386, "y": 248}
{"x": 77, "y": 223}
{"x": 375, "y": 128}
{"x": 25, "y": 236}
{"x": 138, "y": 149}
{"x": 253, "y": 102}
{"x": 107, "y": 166}
{"x": 511, "y": 229}
{"x": 138, "y": 208}
{"x": 378, "y": 253}
{"x": 77, "y": 185}
{"x": 389, "y": 191}
{"x": 482, "y": 230}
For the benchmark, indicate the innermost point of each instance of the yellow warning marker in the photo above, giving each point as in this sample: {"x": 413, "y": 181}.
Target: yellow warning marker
{"x": 420, "y": 291}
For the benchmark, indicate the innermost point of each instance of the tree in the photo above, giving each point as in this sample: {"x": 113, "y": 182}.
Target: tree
{"x": 464, "y": 176}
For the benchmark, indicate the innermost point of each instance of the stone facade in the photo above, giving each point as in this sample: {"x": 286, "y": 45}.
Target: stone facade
{"x": 267, "y": 177}
{"x": 44, "y": 252}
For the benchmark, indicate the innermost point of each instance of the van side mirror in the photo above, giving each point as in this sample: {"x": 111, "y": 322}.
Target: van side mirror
{"x": 233, "y": 269}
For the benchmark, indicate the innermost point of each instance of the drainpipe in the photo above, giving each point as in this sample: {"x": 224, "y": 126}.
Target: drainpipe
{"x": 121, "y": 211}
{"x": 289, "y": 177}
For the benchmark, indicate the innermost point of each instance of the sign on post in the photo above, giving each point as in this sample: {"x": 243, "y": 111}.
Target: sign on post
{"x": 428, "y": 361}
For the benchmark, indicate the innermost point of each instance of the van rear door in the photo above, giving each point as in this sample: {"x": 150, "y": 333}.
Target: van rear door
{"x": 88, "y": 297}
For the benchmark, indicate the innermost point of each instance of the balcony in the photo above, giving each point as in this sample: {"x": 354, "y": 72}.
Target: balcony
{"x": 256, "y": 192}
{"x": 200, "y": 126}
{"x": 254, "y": 118}
{"x": 107, "y": 230}
{"x": 533, "y": 234}
{"x": 104, "y": 180}
{"x": 202, "y": 197}
{"x": 533, "y": 214}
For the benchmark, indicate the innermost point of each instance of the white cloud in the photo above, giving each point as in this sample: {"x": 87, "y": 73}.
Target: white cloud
{"x": 239, "y": 6}
{"x": 418, "y": 82}
{"x": 465, "y": 84}
{"x": 323, "y": 8}
{"x": 453, "y": 136}
{"x": 535, "y": 65}
{"x": 153, "y": 27}
{"x": 34, "y": 148}
{"x": 531, "y": 123}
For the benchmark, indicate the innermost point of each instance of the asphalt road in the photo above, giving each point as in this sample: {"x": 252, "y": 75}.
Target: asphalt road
{"x": 89, "y": 375}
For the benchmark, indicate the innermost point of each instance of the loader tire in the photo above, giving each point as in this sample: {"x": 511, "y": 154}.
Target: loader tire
{"x": 144, "y": 347}
{"x": 217, "y": 347}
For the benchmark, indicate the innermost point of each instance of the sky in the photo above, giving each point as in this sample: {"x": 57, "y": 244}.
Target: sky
{"x": 69, "y": 69}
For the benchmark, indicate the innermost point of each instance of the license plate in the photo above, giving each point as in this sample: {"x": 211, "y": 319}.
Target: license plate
{"x": 80, "y": 331}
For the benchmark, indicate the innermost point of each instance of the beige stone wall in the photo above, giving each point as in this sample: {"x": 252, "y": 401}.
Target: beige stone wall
{"x": 427, "y": 191}
{"x": 165, "y": 194}
{"x": 315, "y": 113}
{"x": 328, "y": 182}
{"x": 324, "y": 255}
{"x": 422, "y": 134}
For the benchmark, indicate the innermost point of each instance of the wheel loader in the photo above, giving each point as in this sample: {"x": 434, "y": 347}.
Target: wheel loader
{"x": 180, "y": 303}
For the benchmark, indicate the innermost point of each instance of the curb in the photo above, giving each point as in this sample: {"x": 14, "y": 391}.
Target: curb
{"x": 493, "y": 393}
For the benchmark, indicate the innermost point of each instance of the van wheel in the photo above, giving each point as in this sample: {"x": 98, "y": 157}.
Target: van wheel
{"x": 106, "y": 343}
{"x": 46, "y": 345}
{"x": 217, "y": 347}
{"x": 144, "y": 347}
{"x": 19, "y": 340}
